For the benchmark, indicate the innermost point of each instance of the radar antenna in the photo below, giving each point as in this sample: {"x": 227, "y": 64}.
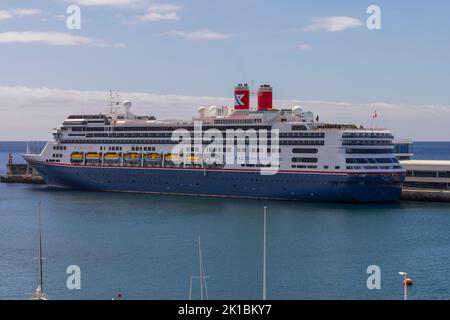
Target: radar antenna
{"x": 111, "y": 101}
{"x": 114, "y": 102}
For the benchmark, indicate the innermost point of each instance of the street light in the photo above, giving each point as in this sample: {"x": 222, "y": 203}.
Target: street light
{"x": 406, "y": 282}
{"x": 264, "y": 256}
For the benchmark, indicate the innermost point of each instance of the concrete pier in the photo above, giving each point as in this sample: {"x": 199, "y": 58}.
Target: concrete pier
{"x": 21, "y": 173}
{"x": 426, "y": 180}
{"x": 22, "y": 179}
{"x": 425, "y": 195}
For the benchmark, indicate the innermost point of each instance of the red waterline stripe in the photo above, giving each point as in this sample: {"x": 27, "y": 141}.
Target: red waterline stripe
{"x": 230, "y": 170}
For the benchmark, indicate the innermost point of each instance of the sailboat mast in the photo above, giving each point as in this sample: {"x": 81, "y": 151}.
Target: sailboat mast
{"x": 201, "y": 276}
{"x": 201, "y": 269}
{"x": 40, "y": 273}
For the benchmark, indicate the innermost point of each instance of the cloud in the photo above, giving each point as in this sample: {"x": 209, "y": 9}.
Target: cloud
{"x": 332, "y": 24}
{"x": 199, "y": 35}
{"x": 164, "y": 7}
{"x": 14, "y": 13}
{"x": 162, "y": 12}
{"x": 110, "y": 3}
{"x": 53, "y": 38}
{"x": 155, "y": 16}
{"x": 304, "y": 47}
{"x": 33, "y": 112}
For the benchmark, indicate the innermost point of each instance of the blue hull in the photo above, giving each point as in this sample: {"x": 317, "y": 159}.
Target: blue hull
{"x": 286, "y": 186}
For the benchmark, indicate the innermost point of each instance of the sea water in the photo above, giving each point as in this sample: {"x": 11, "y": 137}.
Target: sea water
{"x": 146, "y": 246}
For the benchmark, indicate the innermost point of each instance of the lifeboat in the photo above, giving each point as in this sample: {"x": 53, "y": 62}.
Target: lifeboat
{"x": 77, "y": 156}
{"x": 112, "y": 156}
{"x": 93, "y": 156}
{"x": 193, "y": 158}
{"x": 172, "y": 157}
{"x": 173, "y": 160}
{"x": 153, "y": 157}
{"x": 132, "y": 156}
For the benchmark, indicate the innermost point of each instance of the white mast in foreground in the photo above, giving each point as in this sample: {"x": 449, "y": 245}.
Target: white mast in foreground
{"x": 39, "y": 293}
{"x": 202, "y": 277}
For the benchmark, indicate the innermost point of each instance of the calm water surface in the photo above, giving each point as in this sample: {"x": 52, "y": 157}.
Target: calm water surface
{"x": 146, "y": 246}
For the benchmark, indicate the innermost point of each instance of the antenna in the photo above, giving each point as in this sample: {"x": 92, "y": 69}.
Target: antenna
{"x": 253, "y": 94}
{"x": 117, "y": 101}
{"x": 111, "y": 101}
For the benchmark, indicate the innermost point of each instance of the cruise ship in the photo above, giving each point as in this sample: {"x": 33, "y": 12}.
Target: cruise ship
{"x": 244, "y": 152}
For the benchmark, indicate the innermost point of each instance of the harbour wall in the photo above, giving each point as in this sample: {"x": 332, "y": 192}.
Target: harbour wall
{"x": 425, "y": 195}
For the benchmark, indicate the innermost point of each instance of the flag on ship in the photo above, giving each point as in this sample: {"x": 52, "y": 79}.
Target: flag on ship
{"x": 375, "y": 115}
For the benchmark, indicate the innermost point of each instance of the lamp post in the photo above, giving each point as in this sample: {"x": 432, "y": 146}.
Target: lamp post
{"x": 264, "y": 258}
{"x": 405, "y": 284}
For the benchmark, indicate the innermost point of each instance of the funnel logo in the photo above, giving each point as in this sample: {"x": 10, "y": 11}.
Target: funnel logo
{"x": 238, "y": 98}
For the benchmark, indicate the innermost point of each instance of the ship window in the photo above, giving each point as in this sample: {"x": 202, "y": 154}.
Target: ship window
{"x": 371, "y": 160}
{"x": 304, "y": 160}
{"x": 337, "y": 167}
{"x": 384, "y": 160}
{"x": 426, "y": 185}
{"x": 445, "y": 174}
{"x": 369, "y": 151}
{"x": 402, "y": 148}
{"x": 425, "y": 174}
{"x": 304, "y": 150}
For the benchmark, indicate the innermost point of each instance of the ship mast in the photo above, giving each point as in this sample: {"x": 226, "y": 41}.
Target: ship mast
{"x": 111, "y": 102}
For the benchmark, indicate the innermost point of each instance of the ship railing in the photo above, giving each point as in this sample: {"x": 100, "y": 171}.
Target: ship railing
{"x": 35, "y": 147}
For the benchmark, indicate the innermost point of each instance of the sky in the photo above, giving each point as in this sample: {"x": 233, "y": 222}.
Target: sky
{"x": 170, "y": 57}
